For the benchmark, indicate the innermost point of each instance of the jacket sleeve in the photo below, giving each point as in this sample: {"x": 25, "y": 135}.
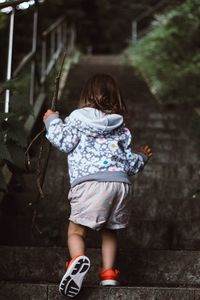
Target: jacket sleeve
{"x": 63, "y": 135}
{"x": 135, "y": 162}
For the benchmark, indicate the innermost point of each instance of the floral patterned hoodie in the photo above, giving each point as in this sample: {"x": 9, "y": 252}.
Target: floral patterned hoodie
{"x": 98, "y": 146}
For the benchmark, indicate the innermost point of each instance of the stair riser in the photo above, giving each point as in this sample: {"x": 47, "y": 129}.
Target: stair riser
{"x": 140, "y": 234}
{"x": 148, "y": 268}
{"x": 11, "y": 291}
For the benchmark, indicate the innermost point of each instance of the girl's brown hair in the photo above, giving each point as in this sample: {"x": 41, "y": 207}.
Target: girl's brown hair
{"x": 102, "y": 92}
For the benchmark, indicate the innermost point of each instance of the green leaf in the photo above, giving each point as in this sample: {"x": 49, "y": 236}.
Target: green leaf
{"x": 18, "y": 155}
{"x": 4, "y": 151}
{"x": 8, "y": 85}
{"x": 169, "y": 58}
{"x": 15, "y": 131}
{"x": 20, "y": 106}
{"x": 3, "y": 186}
{"x": 3, "y": 116}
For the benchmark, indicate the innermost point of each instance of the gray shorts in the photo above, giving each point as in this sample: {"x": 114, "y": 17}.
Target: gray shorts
{"x": 100, "y": 204}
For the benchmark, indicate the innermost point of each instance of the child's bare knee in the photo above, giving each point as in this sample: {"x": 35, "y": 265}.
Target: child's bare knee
{"x": 77, "y": 229}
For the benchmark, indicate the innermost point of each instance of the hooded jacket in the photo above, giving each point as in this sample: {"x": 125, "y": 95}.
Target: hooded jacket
{"x": 98, "y": 146}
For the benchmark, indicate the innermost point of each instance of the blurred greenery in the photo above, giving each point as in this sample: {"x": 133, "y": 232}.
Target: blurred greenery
{"x": 13, "y": 137}
{"x": 3, "y": 21}
{"x": 168, "y": 55}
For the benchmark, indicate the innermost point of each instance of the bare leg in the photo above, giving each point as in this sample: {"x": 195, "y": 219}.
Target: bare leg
{"x": 76, "y": 239}
{"x": 109, "y": 248}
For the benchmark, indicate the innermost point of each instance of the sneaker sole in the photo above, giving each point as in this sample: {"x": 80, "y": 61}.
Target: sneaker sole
{"x": 71, "y": 282}
{"x": 109, "y": 282}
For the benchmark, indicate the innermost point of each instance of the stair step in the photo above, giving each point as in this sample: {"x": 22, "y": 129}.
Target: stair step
{"x": 141, "y": 233}
{"x": 153, "y": 199}
{"x": 17, "y": 291}
{"x": 147, "y": 203}
{"x": 155, "y": 125}
{"x": 102, "y": 59}
{"x": 152, "y": 183}
{"x": 141, "y": 267}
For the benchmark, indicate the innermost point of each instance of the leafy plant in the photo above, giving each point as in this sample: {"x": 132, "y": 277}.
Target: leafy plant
{"x": 3, "y": 20}
{"x": 168, "y": 56}
{"x": 13, "y": 137}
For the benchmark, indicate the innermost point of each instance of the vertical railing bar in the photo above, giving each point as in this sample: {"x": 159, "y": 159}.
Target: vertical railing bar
{"x": 60, "y": 35}
{"x": 57, "y": 45}
{"x": 52, "y": 43}
{"x": 44, "y": 58}
{"x": 65, "y": 33}
{"x": 34, "y": 48}
{"x": 72, "y": 39}
{"x": 10, "y": 55}
{"x": 134, "y": 31}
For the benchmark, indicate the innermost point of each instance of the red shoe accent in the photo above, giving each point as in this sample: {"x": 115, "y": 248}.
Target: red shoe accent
{"x": 68, "y": 263}
{"x": 109, "y": 274}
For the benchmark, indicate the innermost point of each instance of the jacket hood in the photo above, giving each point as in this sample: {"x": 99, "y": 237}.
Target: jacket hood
{"x": 96, "y": 120}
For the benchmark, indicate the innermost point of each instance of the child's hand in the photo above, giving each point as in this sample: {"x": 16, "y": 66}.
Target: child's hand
{"x": 146, "y": 150}
{"x": 50, "y": 112}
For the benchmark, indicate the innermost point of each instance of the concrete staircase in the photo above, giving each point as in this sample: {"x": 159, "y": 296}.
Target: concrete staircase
{"x": 159, "y": 254}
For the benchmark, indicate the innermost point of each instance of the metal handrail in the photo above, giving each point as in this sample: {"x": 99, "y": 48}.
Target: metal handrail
{"x": 56, "y": 35}
{"x": 53, "y": 26}
{"x": 12, "y": 3}
{"x": 59, "y": 36}
{"x": 142, "y": 16}
{"x": 23, "y": 63}
{"x": 150, "y": 10}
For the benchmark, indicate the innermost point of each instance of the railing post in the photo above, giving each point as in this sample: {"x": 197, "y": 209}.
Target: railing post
{"x": 10, "y": 55}
{"x": 72, "y": 39}
{"x": 58, "y": 37}
{"x": 134, "y": 32}
{"x": 44, "y": 58}
{"x": 52, "y": 43}
{"x": 64, "y": 33}
{"x": 34, "y": 48}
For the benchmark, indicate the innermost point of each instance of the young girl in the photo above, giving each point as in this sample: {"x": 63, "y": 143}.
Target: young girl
{"x": 100, "y": 159}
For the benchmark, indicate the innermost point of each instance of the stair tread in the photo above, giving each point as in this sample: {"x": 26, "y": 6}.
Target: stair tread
{"x": 9, "y": 291}
{"x": 142, "y": 266}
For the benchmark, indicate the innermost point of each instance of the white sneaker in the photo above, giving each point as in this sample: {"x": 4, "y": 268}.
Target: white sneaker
{"x": 71, "y": 282}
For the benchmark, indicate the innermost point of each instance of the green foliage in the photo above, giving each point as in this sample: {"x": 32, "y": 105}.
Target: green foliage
{"x": 169, "y": 57}
{"x": 13, "y": 138}
{"x": 3, "y": 21}
{"x": 3, "y": 186}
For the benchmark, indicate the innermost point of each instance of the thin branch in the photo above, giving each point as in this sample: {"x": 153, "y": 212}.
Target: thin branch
{"x": 34, "y": 139}
{"x": 34, "y": 225}
{"x": 39, "y": 170}
{"x": 57, "y": 82}
{"x": 53, "y": 102}
{"x": 40, "y": 174}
